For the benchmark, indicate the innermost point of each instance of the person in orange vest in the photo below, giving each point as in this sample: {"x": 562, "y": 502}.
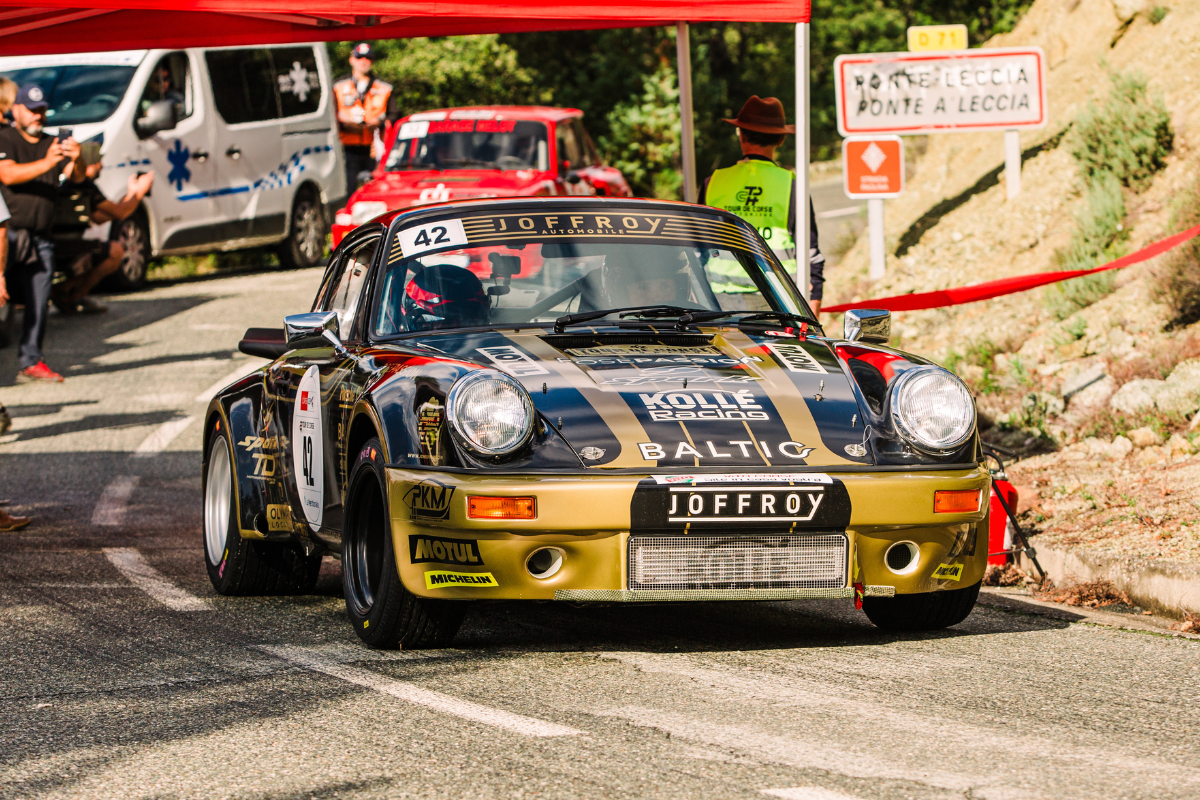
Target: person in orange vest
{"x": 365, "y": 105}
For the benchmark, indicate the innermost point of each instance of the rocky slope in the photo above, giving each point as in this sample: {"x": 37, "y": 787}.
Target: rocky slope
{"x": 1106, "y": 395}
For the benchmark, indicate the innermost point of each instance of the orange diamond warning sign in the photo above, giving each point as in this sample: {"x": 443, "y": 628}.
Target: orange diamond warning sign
{"x": 873, "y": 166}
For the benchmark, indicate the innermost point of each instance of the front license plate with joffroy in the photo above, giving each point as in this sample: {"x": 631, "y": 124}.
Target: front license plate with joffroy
{"x": 729, "y": 502}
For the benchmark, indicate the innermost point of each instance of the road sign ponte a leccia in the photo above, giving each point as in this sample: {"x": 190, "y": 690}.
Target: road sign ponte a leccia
{"x": 987, "y": 89}
{"x": 873, "y": 166}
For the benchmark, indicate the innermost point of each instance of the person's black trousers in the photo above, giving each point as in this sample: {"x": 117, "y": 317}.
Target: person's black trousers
{"x": 358, "y": 160}
{"x": 29, "y": 275}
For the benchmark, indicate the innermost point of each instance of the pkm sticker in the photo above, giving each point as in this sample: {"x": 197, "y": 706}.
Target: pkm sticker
{"x": 433, "y": 236}
{"x": 308, "y": 457}
{"x": 952, "y": 572}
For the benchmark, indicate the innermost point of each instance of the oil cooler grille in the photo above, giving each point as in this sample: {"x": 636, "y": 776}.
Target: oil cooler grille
{"x": 738, "y": 562}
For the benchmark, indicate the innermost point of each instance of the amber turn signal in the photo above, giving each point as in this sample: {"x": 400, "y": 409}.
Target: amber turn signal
{"x": 501, "y": 507}
{"x": 956, "y": 501}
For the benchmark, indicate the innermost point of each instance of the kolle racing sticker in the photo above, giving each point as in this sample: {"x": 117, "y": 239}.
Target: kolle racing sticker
{"x": 442, "y": 579}
{"x": 818, "y": 502}
{"x": 674, "y": 406}
{"x": 429, "y": 499}
{"x": 461, "y": 552}
{"x": 308, "y": 462}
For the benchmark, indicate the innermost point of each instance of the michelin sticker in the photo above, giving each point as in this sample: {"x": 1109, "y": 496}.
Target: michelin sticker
{"x": 307, "y": 456}
{"x": 445, "y": 233}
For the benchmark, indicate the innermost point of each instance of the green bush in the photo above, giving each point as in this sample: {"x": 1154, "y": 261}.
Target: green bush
{"x": 1176, "y": 280}
{"x": 1128, "y": 135}
{"x": 1098, "y": 238}
{"x": 1158, "y": 14}
{"x": 644, "y": 138}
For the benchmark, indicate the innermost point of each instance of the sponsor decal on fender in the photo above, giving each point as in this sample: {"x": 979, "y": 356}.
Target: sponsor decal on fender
{"x": 951, "y": 572}
{"x": 463, "y": 552}
{"x": 653, "y": 451}
{"x": 279, "y": 517}
{"x": 440, "y": 579}
{"x": 795, "y": 358}
{"x": 512, "y": 360}
{"x": 308, "y": 460}
{"x": 675, "y": 406}
{"x": 429, "y": 499}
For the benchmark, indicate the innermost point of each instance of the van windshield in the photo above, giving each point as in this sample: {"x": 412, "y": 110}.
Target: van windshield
{"x": 502, "y": 144}
{"x": 77, "y": 93}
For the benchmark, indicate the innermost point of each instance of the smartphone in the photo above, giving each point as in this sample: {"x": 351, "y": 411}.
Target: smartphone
{"x": 64, "y": 134}
{"x": 149, "y": 191}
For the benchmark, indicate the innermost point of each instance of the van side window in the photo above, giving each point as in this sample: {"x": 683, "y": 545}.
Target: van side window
{"x": 297, "y": 79}
{"x": 243, "y": 83}
{"x": 348, "y": 286}
{"x": 171, "y": 80}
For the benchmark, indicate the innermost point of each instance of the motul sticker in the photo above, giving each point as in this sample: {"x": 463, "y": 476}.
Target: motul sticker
{"x": 308, "y": 460}
{"x": 951, "y": 572}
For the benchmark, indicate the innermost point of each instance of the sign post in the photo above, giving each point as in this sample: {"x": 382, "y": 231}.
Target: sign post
{"x": 873, "y": 168}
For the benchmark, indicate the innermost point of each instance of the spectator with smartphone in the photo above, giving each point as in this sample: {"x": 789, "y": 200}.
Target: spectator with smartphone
{"x": 93, "y": 256}
{"x": 31, "y": 165}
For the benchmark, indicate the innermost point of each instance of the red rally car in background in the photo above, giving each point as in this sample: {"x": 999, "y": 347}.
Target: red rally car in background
{"x": 481, "y": 151}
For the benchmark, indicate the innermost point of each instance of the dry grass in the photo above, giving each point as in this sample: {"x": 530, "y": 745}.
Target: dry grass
{"x": 1093, "y": 594}
{"x": 1007, "y": 575}
{"x": 1156, "y": 366}
{"x": 1190, "y": 624}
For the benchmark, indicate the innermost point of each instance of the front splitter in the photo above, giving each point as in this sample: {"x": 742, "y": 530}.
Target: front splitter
{"x": 699, "y": 595}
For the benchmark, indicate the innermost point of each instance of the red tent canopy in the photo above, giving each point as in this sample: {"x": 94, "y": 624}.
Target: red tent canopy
{"x": 60, "y": 26}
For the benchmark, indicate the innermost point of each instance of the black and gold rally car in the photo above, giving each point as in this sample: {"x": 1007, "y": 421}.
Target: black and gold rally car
{"x": 584, "y": 399}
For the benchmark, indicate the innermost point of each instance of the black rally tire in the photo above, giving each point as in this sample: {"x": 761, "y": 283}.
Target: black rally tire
{"x": 384, "y": 614}
{"x": 134, "y": 236}
{"x": 925, "y": 611}
{"x": 238, "y": 566}
{"x": 307, "y": 230}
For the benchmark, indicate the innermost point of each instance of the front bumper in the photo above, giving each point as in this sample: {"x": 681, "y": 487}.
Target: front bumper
{"x": 441, "y": 553}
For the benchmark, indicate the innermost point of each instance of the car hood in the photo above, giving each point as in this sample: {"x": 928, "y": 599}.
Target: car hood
{"x": 719, "y": 398}
{"x": 404, "y": 189}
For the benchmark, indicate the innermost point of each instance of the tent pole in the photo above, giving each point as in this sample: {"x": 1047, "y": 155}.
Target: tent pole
{"x": 687, "y": 144}
{"x": 803, "y": 281}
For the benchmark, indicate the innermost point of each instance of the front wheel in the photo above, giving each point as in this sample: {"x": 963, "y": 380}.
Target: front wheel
{"x": 134, "y": 236}
{"x": 305, "y": 244}
{"x": 924, "y": 611}
{"x": 384, "y": 614}
{"x": 238, "y": 566}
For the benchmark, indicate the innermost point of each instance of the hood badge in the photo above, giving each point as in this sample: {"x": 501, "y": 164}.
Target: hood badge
{"x": 592, "y": 453}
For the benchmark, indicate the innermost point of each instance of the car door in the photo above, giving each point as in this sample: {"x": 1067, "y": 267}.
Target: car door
{"x": 181, "y": 199}
{"x": 314, "y": 390}
{"x": 248, "y": 147}
{"x": 604, "y": 180}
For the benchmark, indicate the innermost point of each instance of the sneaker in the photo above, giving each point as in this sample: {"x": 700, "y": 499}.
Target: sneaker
{"x": 87, "y": 305}
{"x": 38, "y": 372}
{"x": 5, "y": 424}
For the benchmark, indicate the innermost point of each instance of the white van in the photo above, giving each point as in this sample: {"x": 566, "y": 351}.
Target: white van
{"x": 243, "y": 142}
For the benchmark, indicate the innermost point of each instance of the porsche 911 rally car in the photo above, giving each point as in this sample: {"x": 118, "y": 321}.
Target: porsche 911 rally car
{"x": 587, "y": 399}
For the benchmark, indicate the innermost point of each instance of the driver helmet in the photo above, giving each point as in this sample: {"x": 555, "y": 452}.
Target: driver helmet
{"x": 629, "y": 280}
{"x": 444, "y": 296}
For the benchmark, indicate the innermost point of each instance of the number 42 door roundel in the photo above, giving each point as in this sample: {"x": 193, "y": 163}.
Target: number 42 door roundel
{"x": 307, "y": 455}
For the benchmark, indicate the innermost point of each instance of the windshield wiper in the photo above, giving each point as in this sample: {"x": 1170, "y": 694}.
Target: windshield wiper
{"x": 656, "y": 310}
{"x": 708, "y": 316}
{"x": 463, "y": 162}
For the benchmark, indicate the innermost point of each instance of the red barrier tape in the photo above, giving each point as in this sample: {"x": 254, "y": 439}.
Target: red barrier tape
{"x": 986, "y": 291}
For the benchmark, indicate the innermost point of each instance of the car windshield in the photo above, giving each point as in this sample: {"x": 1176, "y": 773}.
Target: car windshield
{"x": 77, "y": 93}
{"x": 503, "y": 144}
{"x": 519, "y": 268}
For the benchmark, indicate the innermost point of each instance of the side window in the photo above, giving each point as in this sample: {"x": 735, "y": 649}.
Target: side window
{"x": 568, "y": 146}
{"x": 297, "y": 79}
{"x": 348, "y": 285}
{"x": 243, "y": 83}
{"x": 171, "y": 79}
{"x": 587, "y": 149}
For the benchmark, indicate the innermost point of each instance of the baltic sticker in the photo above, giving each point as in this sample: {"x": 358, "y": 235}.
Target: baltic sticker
{"x": 308, "y": 459}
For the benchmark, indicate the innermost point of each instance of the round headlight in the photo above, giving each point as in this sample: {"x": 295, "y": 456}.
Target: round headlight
{"x": 932, "y": 409}
{"x": 490, "y": 413}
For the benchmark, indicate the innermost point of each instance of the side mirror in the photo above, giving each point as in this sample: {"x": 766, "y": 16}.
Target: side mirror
{"x": 160, "y": 116}
{"x": 304, "y": 328}
{"x": 871, "y": 325}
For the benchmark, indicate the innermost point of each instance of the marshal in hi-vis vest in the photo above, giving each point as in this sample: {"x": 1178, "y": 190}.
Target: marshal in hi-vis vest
{"x": 758, "y": 192}
{"x": 373, "y": 104}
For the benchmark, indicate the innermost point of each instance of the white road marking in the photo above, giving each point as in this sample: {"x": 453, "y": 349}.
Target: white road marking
{"x": 162, "y": 437}
{"x": 838, "y": 212}
{"x": 411, "y": 693}
{"x": 75, "y": 586}
{"x": 134, "y": 566}
{"x": 809, "y": 793}
{"x": 110, "y": 508}
{"x": 242, "y": 370}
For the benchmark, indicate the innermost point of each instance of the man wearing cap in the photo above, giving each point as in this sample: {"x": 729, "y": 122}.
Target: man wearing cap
{"x": 755, "y": 188}
{"x": 31, "y": 164}
{"x": 364, "y": 105}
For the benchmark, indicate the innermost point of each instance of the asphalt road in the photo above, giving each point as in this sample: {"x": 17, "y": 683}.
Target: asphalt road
{"x": 122, "y": 674}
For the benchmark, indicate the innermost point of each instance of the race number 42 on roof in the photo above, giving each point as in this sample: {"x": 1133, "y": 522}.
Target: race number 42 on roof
{"x": 1000, "y": 88}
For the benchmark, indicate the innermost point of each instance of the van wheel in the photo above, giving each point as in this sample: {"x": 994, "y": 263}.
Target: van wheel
{"x": 134, "y": 235}
{"x": 305, "y": 244}
{"x": 385, "y": 614}
{"x": 238, "y": 566}
{"x": 924, "y": 611}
